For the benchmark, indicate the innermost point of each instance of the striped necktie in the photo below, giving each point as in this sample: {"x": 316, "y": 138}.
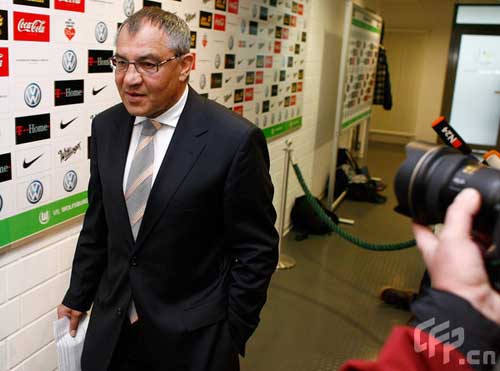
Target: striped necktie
{"x": 139, "y": 183}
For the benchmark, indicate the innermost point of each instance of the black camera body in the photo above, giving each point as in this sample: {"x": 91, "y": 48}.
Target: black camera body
{"x": 430, "y": 178}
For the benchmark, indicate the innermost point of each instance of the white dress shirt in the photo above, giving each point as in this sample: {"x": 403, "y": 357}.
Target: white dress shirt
{"x": 162, "y": 138}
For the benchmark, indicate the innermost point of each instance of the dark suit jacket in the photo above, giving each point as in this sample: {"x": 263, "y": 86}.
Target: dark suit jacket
{"x": 202, "y": 262}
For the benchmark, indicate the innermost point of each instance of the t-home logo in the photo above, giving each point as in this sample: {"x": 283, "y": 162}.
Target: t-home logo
{"x": 32, "y": 128}
{"x": 68, "y": 92}
{"x": 5, "y": 167}
{"x": 98, "y": 61}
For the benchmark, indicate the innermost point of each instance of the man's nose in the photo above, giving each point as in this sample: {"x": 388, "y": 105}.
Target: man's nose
{"x": 131, "y": 75}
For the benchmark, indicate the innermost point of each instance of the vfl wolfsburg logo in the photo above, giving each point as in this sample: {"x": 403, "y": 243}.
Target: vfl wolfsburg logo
{"x": 69, "y": 61}
{"x": 32, "y": 95}
{"x": 34, "y": 192}
{"x": 44, "y": 217}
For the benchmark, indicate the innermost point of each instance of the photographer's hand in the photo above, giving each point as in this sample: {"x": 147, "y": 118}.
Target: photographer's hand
{"x": 455, "y": 261}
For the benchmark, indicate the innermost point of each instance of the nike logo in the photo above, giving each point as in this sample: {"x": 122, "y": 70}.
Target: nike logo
{"x": 29, "y": 163}
{"x": 97, "y": 91}
{"x": 63, "y": 125}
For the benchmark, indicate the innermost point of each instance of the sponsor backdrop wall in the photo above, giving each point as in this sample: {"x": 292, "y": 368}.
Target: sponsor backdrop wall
{"x": 361, "y": 66}
{"x": 55, "y": 76}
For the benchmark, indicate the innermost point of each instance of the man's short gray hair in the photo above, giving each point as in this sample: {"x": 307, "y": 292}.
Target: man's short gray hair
{"x": 176, "y": 30}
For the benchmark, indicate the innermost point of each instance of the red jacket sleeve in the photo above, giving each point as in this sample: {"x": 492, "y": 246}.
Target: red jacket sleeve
{"x": 399, "y": 354}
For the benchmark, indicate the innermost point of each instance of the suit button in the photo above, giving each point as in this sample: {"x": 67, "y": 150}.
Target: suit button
{"x": 133, "y": 262}
{"x": 119, "y": 312}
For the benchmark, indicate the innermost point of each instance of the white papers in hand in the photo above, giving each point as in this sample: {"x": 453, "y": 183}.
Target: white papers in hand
{"x": 69, "y": 349}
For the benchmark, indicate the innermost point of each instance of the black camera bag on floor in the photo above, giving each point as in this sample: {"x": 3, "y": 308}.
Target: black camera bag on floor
{"x": 306, "y": 221}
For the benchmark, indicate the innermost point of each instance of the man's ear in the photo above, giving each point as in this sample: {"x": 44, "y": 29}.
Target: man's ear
{"x": 186, "y": 63}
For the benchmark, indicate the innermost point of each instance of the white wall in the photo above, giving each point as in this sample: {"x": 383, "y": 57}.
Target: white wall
{"x": 432, "y": 20}
{"x": 34, "y": 274}
{"x": 33, "y": 278}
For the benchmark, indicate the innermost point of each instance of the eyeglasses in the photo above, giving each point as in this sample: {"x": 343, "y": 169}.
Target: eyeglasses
{"x": 144, "y": 67}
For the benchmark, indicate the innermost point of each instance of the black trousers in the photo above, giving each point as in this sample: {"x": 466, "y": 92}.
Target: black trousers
{"x": 131, "y": 352}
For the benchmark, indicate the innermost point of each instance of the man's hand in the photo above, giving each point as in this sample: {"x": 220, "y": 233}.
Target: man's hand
{"x": 73, "y": 315}
{"x": 454, "y": 259}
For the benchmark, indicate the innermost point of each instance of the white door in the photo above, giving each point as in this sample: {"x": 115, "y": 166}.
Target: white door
{"x": 475, "y": 109}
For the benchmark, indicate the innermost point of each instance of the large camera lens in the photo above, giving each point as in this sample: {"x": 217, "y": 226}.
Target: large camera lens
{"x": 431, "y": 177}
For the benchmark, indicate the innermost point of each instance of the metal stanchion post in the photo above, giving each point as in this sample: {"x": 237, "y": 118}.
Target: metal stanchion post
{"x": 285, "y": 261}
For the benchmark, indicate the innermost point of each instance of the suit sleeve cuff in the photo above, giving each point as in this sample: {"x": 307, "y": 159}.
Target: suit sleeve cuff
{"x": 73, "y": 302}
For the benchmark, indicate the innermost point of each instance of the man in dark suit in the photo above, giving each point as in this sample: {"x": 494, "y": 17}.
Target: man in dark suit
{"x": 178, "y": 243}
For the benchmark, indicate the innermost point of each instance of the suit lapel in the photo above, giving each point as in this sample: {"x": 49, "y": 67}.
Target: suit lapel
{"x": 120, "y": 143}
{"x": 186, "y": 146}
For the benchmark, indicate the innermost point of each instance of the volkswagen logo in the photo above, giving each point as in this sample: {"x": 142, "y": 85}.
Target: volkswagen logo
{"x": 203, "y": 81}
{"x": 34, "y": 192}
{"x": 128, "y": 7}
{"x": 101, "y": 32}
{"x": 32, "y": 95}
{"x": 69, "y": 61}
{"x": 70, "y": 180}
{"x": 217, "y": 61}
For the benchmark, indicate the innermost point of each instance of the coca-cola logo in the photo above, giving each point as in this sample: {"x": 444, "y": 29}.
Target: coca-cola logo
{"x": 37, "y": 26}
{"x": 4, "y": 62}
{"x": 219, "y": 22}
{"x": 233, "y": 6}
{"x": 31, "y": 27}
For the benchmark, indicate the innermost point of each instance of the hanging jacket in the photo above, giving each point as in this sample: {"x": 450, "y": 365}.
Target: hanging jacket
{"x": 382, "y": 93}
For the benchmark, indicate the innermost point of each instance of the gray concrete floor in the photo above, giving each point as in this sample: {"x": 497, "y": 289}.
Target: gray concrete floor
{"x": 326, "y": 310}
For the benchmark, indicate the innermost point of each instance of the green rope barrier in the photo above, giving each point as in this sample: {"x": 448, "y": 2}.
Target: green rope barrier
{"x": 342, "y": 233}
{"x": 349, "y": 237}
